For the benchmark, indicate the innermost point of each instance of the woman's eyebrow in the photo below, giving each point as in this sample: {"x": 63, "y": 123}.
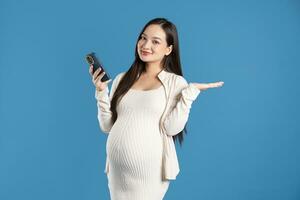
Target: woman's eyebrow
{"x": 152, "y": 37}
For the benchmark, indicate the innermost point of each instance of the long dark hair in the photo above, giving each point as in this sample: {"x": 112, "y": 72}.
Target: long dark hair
{"x": 171, "y": 63}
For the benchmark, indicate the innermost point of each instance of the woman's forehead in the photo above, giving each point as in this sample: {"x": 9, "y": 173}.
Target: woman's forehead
{"x": 155, "y": 31}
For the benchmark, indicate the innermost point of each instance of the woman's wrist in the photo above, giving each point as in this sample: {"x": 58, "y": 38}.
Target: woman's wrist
{"x": 99, "y": 90}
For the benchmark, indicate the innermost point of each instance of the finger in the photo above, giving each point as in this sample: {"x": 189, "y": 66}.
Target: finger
{"x": 211, "y": 85}
{"x": 96, "y": 73}
{"x": 99, "y": 77}
{"x": 91, "y": 70}
{"x": 221, "y": 83}
{"x": 94, "y": 76}
{"x": 108, "y": 81}
{"x": 217, "y": 84}
{"x": 96, "y": 79}
{"x": 102, "y": 74}
{"x": 98, "y": 70}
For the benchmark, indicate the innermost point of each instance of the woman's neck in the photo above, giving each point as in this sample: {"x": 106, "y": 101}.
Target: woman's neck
{"x": 152, "y": 69}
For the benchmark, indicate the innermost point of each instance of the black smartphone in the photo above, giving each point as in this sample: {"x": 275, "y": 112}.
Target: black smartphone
{"x": 93, "y": 60}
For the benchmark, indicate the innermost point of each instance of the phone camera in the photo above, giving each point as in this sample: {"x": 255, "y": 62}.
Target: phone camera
{"x": 90, "y": 60}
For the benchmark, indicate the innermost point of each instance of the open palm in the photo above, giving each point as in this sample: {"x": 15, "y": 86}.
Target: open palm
{"x": 205, "y": 86}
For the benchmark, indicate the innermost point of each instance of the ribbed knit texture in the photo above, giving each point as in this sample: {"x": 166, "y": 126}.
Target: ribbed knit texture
{"x": 135, "y": 147}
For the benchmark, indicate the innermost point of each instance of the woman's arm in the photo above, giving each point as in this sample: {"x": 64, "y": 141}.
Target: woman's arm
{"x": 103, "y": 104}
{"x": 179, "y": 111}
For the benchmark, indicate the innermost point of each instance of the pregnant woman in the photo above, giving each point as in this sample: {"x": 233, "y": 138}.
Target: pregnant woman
{"x": 144, "y": 113}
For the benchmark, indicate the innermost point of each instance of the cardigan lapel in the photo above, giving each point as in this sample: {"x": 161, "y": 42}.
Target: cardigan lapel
{"x": 170, "y": 162}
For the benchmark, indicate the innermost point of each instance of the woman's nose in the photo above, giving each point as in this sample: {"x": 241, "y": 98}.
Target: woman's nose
{"x": 146, "y": 44}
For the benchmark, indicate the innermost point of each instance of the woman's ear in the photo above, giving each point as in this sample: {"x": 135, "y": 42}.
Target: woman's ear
{"x": 169, "y": 50}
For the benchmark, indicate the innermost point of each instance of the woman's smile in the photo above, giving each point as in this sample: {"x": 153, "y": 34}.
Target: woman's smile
{"x": 145, "y": 53}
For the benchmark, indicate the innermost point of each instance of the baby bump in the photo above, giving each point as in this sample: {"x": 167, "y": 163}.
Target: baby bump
{"x": 133, "y": 145}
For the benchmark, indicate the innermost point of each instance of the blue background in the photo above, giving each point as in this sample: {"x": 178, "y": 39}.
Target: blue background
{"x": 243, "y": 138}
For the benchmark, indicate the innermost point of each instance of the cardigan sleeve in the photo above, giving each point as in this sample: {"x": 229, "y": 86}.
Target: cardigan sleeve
{"x": 179, "y": 111}
{"x": 104, "y": 98}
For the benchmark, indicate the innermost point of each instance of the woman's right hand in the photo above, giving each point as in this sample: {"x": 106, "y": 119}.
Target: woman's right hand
{"x": 96, "y": 78}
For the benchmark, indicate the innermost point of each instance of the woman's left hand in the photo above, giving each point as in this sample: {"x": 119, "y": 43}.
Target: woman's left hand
{"x": 205, "y": 86}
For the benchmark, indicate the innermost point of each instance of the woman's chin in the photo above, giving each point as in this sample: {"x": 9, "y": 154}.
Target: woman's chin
{"x": 145, "y": 59}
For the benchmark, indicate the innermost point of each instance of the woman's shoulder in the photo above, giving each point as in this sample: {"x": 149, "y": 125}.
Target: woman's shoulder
{"x": 182, "y": 87}
{"x": 180, "y": 80}
{"x": 119, "y": 76}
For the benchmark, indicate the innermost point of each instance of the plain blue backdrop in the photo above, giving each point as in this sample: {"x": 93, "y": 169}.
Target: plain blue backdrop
{"x": 243, "y": 138}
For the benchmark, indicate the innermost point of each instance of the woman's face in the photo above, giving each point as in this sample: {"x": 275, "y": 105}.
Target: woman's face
{"x": 152, "y": 45}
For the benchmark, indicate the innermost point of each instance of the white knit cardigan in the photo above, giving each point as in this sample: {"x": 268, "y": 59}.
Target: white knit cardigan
{"x": 180, "y": 96}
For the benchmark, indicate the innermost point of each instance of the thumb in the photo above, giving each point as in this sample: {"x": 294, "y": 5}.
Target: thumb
{"x": 108, "y": 81}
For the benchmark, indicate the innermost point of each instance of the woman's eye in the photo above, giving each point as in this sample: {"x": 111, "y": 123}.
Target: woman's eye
{"x": 154, "y": 42}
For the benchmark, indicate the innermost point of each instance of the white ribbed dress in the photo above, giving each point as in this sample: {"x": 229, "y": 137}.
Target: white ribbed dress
{"x": 134, "y": 147}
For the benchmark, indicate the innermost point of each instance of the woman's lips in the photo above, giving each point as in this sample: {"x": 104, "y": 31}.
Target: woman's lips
{"x": 144, "y": 53}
